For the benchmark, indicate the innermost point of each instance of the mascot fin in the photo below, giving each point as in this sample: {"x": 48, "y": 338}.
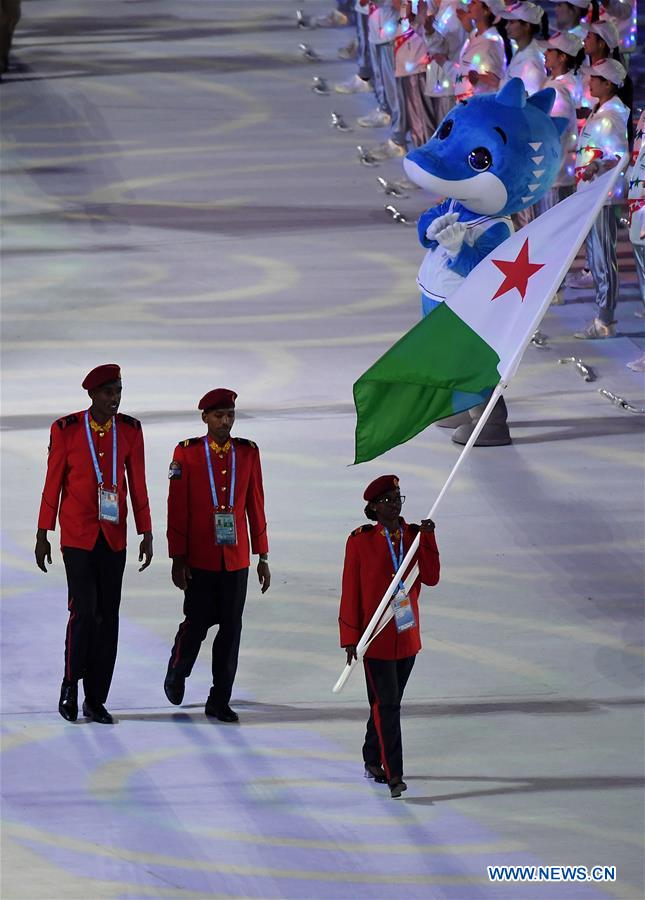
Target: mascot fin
{"x": 514, "y": 94}
{"x": 543, "y": 99}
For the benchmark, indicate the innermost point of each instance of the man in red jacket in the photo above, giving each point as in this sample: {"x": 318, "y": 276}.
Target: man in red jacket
{"x": 215, "y": 487}
{"x": 372, "y": 557}
{"x": 89, "y": 455}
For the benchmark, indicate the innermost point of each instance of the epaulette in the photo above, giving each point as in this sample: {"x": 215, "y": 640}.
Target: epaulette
{"x": 245, "y": 441}
{"x": 67, "y": 420}
{"x": 129, "y": 420}
{"x": 189, "y": 441}
{"x": 361, "y": 529}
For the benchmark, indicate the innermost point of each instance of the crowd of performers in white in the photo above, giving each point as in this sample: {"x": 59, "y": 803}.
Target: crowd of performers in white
{"x": 421, "y": 57}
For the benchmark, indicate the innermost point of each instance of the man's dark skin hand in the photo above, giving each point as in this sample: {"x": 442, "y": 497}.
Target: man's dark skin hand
{"x": 350, "y": 650}
{"x": 387, "y": 509}
{"x": 264, "y": 575}
{"x": 43, "y": 549}
{"x": 180, "y": 572}
{"x": 145, "y": 550}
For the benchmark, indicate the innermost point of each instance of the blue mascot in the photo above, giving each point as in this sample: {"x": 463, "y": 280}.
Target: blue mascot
{"x": 492, "y": 155}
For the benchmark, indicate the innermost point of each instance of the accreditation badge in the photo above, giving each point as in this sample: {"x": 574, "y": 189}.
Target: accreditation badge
{"x": 403, "y": 612}
{"x": 108, "y": 506}
{"x": 225, "y": 528}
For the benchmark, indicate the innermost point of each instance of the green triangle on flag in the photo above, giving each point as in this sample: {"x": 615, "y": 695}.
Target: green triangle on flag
{"x": 438, "y": 368}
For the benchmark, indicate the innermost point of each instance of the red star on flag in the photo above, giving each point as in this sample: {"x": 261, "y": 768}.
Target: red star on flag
{"x": 516, "y": 272}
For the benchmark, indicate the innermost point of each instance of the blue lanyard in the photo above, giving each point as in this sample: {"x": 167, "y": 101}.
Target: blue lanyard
{"x": 209, "y": 463}
{"x": 396, "y": 562}
{"x": 99, "y": 474}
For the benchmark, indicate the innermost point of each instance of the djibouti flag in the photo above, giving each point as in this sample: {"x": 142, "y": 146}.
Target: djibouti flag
{"x": 454, "y": 358}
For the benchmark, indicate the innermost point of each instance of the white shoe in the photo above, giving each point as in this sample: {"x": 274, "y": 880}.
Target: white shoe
{"x": 348, "y": 52}
{"x": 334, "y": 19}
{"x": 388, "y": 150}
{"x": 638, "y": 365}
{"x": 580, "y": 281}
{"x": 355, "y": 85}
{"x": 376, "y": 119}
{"x": 596, "y": 331}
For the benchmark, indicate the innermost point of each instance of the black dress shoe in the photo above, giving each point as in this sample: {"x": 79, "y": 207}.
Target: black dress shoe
{"x": 174, "y": 687}
{"x": 96, "y": 712}
{"x": 397, "y": 786}
{"x": 223, "y": 713}
{"x": 376, "y": 773}
{"x": 68, "y": 703}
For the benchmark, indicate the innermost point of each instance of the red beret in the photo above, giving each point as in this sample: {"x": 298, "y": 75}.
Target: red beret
{"x": 379, "y": 486}
{"x": 220, "y": 398}
{"x": 101, "y": 375}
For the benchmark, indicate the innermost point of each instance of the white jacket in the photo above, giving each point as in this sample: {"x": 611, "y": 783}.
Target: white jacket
{"x": 481, "y": 53}
{"x": 604, "y": 137}
{"x": 382, "y": 24}
{"x": 565, "y": 108}
{"x": 527, "y": 64}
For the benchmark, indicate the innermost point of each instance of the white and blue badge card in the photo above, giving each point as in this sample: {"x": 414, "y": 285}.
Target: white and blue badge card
{"x": 108, "y": 506}
{"x": 225, "y": 528}
{"x": 403, "y": 612}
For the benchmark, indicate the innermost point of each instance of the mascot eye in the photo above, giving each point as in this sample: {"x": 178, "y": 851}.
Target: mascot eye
{"x": 444, "y": 130}
{"x": 480, "y": 159}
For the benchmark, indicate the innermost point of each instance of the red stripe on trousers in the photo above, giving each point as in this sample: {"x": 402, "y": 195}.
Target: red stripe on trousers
{"x": 377, "y": 723}
{"x": 72, "y": 616}
{"x": 175, "y": 658}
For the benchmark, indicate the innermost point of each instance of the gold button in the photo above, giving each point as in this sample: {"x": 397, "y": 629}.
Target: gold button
{"x": 223, "y": 471}
{"x": 101, "y": 454}
{"x": 101, "y": 434}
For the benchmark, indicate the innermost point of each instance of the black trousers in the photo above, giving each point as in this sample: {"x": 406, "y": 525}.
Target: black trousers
{"x": 386, "y": 680}
{"x": 94, "y": 579}
{"x": 212, "y": 598}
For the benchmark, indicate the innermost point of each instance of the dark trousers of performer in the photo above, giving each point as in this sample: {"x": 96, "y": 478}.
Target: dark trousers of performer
{"x": 94, "y": 579}
{"x": 212, "y": 598}
{"x": 386, "y": 680}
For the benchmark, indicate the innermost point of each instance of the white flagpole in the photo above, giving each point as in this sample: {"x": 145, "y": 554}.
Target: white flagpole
{"x": 384, "y": 610}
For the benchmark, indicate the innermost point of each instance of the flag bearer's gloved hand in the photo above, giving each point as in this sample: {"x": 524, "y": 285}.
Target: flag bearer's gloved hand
{"x": 350, "y": 650}
{"x": 451, "y": 238}
{"x": 439, "y": 224}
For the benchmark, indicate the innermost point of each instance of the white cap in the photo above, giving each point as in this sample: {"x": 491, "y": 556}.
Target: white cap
{"x": 524, "y": 12}
{"x": 607, "y": 31}
{"x": 566, "y": 42}
{"x": 581, "y": 4}
{"x": 497, "y": 7}
{"x": 609, "y": 69}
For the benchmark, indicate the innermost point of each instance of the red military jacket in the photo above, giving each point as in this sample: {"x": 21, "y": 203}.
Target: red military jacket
{"x": 71, "y": 480}
{"x": 191, "y": 528}
{"x": 367, "y": 574}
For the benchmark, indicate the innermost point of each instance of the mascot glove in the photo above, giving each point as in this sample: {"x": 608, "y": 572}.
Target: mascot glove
{"x": 439, "y": 224}
{"x": 451, "y": 238}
